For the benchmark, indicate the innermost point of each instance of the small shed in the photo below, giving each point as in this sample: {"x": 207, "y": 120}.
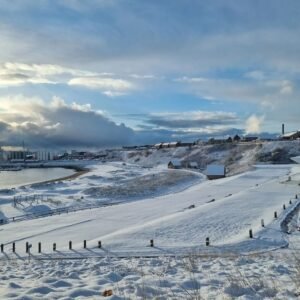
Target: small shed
{"x": 193, "y": 165}
{"x": 236, "y": 138}
{"x": 215, "y": 171}
{"x": 296, "y": 159}
{"x": 158, "y": 145}
{"x": 174, "y": 164}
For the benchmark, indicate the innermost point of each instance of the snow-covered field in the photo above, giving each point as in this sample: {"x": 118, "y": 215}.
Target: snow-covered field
{"x": 223, "y": 210}
{"x": 193, "y": 277}
{"x": 178, "y": 210}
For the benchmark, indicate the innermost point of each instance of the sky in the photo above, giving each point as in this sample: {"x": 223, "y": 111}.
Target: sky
{"x": 104, "y": 73}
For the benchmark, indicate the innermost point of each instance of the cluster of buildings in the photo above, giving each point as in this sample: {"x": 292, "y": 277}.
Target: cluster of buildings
{"x": 19, "y": 154}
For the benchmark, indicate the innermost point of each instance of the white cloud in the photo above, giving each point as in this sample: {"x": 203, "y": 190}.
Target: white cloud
{"x": 18, "y": 74}
{"x": 256, "y": 75}
{"x": 113, "y": 94}
{"x": 286, "y": 88}
{"x": 193, "y": 120}
{"x": 57, "y": 124}
{"x": 42, "y": 69}
{"x": 107, "y": 85}
{"x": 191, "y": 79}
{"x": 138, "y": 76}
{"x": 254, "y": 124}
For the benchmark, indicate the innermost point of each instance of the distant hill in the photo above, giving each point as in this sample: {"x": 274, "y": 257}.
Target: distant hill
{"x": 237, "y": 157}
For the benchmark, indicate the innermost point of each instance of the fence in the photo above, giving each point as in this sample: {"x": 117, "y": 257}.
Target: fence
{"x": 283, "y": 225}
{"x": 52, "y": 212}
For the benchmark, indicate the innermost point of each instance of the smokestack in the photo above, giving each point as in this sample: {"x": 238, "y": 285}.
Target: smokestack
{"x": 282, "y": 129}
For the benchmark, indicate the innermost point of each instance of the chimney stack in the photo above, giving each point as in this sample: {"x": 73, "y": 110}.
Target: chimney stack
{"x": 282, "y": 129}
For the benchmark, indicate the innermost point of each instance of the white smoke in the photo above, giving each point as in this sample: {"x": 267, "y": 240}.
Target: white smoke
{"x": 253, "y": 124}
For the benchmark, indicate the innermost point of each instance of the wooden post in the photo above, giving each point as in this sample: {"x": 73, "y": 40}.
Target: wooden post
{"x": 84, "y": 244}
{"x": 262, "y": 223}
{"x": 284, "y": 206}
{"x": 40, "y": 247}
{"x": 151, "y": 243}
{"x": 290, "y": 201}
{"x": 99, "y": 244}
{"x": 2, "y": 248}
{"x": 70, "y": 245}
{"x": 13, "y": 247}
{"x": 27, "y": 247}
{"x": 207, "y": 241}
{"x": 54, "y": 246}
{"x": 275, "y": 214}
{"x": 296, "y": 196}
{"x": 250, "y": 234}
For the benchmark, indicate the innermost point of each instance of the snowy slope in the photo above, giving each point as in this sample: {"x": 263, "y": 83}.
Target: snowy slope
{"x": 240, "y": 202}
{"x": 179, "y": 218}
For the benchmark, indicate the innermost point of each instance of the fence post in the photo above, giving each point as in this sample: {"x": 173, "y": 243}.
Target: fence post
{"x": 151, "y": 243}
{"x": 27, "y": 247}
{"x": 54, "y": 246}
{"x": 2, "y": 248}
{"x": 275, "y": 214}
{"x": 262, "y": 223}
{"x": 70, "y": 245}
{"x": 99, "y": 244}
{"x": 13, "y": 247}
{"x": 40, "y": 247}
{"x": 84, "y": 244}
{"x": 250, "y": 234}
{"x": 296, "y": 196}
{"x": 207, "y": 241}
{"x": 290, "y": 201}
{"x": 284, "y": 206}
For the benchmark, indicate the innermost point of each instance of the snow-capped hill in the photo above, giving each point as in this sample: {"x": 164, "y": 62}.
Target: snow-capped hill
{"x": 237, "y": 157}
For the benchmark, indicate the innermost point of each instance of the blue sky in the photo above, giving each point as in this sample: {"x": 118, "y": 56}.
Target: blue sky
{"x": 99, "y": 73}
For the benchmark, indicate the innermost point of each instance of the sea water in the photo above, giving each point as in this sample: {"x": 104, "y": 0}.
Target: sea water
{"x": 10, "y": 179}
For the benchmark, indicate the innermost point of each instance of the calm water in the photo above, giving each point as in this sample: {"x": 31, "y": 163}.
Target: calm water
{"x": 9, "y": 179}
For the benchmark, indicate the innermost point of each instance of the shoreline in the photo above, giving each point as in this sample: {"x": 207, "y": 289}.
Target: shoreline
{"x": 78, "y": 172}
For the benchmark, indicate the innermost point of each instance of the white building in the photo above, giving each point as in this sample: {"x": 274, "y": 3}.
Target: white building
{"x": 215, "y": 171}
{"x": 296, "y": 159}
{"x": 174, "y": 164}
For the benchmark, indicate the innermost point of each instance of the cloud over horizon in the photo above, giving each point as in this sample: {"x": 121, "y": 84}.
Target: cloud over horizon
{"x": 192, "y": 119}
{"x": 57, "y": 124}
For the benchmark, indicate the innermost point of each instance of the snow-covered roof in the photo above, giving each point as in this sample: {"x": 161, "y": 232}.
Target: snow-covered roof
{"x": 175, "y": 162}
{"x": 194, "y": 164}
{"x": 215, "y": 170}
{"x": 289, "y": 134}
{"x": 296, "y": 159}
{"x": 158, "y": 145}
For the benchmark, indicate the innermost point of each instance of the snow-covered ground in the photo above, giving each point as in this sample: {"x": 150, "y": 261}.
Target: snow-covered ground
{"x": 193, "y": 277}
{"x": 178, "y": 210}
{"x": 223, "y": 210}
